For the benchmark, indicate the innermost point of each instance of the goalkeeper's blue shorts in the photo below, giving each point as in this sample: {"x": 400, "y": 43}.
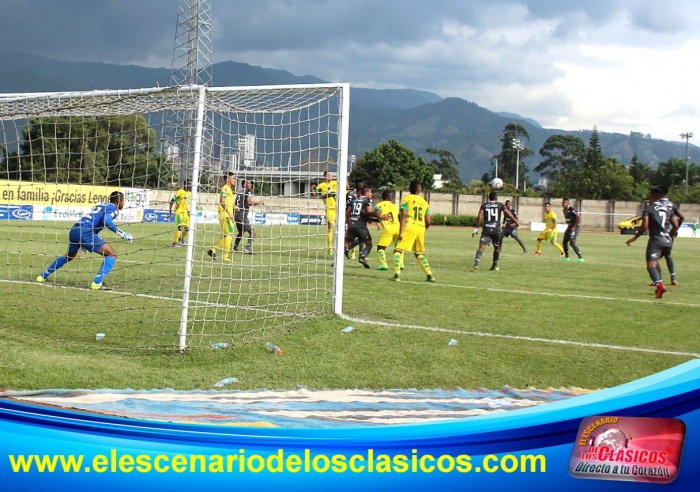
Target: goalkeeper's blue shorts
{"x": 79, "y": 237}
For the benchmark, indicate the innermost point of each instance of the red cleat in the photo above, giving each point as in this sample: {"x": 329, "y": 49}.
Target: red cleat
{"x": 660, "y": 289}
{"x": 652, "y": 284}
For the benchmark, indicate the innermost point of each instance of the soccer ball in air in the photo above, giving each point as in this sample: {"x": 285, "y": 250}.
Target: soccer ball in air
{"x": 497, "y": 183}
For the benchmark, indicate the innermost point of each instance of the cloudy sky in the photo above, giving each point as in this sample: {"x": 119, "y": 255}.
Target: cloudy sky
{"x": 623, "y": 65}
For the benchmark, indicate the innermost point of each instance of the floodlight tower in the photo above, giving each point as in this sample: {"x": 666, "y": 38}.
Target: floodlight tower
{"x": 191, "y": 65}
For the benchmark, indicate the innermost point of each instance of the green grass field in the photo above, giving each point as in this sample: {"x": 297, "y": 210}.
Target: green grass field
{"x": 538, "y": 322}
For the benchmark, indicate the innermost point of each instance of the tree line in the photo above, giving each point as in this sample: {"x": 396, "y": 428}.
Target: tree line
{"x": 571, "y": 168}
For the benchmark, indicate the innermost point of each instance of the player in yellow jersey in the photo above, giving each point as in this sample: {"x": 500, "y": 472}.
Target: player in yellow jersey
{"x": 328, "y": 189}
{"x": 550, "y": 230}
{"x": 226, "y": 209}
{"x": 388, "y": 214}
{"x": 181, "y": 201}
{"x": 414, "y": 219}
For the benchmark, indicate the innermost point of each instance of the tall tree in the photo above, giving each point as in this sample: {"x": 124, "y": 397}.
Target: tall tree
{"x": 107, "y": 150}
{"x": 594, "y": 153}
{"x": 392, "y": 165}
{"x": 561, "y": 152}
{"x": 640, "y": 172}
{"x": 508, "y": 158}
{"x": 444, "y": 162}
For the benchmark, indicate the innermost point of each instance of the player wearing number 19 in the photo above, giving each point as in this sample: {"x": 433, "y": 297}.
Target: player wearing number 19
{"x": 491, "y": 215}
{"x": 414, "y": 220}
{"x": 85, "y": 234}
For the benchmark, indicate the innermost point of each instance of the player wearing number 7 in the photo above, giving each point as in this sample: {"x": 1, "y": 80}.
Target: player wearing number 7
{"x": 414, "y": 220}
{"x": 84, "y": 234}
{"x": 389, "y": 217}
{"x": 491, "y": 216}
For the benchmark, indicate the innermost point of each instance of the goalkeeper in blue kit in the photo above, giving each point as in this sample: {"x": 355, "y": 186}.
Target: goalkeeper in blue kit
{"x": 84, "y": 234}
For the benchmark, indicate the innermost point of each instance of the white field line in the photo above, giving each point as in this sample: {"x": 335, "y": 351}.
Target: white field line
{"x": 148, "y": 296}
{"x": 549, "y": 294}
{"x": 517, "y": 337}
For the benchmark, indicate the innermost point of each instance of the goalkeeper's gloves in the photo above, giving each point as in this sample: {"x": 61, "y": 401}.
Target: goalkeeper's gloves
{"x": 476, "y": 231}
{"x": 125, "y": 236}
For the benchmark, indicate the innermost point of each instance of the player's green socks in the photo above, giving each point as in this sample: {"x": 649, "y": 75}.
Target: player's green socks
{"x": 382, "y": 259}
{"x": 397, "y": 263}
{"x": 423, "y": 262}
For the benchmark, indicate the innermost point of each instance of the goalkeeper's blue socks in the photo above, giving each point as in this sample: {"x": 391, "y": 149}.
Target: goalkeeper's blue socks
{"x": 57, "y": 263}
{"x": 107, "y": 266}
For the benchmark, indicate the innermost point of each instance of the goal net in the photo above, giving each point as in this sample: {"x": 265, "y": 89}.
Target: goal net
{"x": 61, "y": 154}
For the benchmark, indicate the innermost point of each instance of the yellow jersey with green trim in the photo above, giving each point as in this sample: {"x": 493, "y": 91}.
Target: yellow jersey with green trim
{"x": 416, "y": 209}
{"x": 388, "y": 208}
{"x": 228, "y": 195}
{"x": 550, "y": 221}
{"x": 329, "y": 188}
{"x": 182, "y": 201}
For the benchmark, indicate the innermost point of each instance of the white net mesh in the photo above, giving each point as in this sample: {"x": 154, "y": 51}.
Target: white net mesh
{"x": 60, "y": 154}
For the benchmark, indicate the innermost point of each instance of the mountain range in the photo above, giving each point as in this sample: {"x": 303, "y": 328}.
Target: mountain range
{"x": 418, "y": 119}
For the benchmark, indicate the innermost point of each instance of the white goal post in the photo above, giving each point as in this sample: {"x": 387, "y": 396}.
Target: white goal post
{"x": 61, "y": 154}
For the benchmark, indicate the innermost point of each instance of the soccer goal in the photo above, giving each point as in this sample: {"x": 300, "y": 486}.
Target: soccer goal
{"x": 63, "y": 153}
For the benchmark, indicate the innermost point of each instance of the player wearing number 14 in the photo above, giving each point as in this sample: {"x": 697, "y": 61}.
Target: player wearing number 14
{"x": 491, "y": 215}
{"x": 414, "y": 220}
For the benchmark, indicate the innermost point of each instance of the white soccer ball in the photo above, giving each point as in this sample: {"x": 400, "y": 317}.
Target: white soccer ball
{"x": 497, "y": 183}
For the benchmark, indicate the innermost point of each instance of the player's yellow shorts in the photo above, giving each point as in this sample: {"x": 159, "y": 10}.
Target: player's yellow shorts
{"x": 412, "y": 240}
{"x": 226, "y": 224}
{"x": 388, "y": 237}
{"x": 330, "y": 215}
{"x": 182, "y": 219}
{"x": 550, "y": 235}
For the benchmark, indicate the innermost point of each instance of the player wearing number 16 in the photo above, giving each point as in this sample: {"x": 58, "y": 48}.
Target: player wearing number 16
{"x": 491, "y": 215}
{"x": 414, "y": 220}
{"x": 84, "y": 234}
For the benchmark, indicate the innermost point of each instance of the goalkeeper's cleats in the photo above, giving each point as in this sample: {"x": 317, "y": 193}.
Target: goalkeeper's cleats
{"x": 430, "y": 278}
{"x": 212, "y": 254}
{"x": 41, "y": 279}
{"x": 100, "y": 286}
{"x": 363, "y": 262}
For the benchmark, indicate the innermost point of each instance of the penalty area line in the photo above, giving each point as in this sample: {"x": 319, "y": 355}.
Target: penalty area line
{"x": 517, "y": 337}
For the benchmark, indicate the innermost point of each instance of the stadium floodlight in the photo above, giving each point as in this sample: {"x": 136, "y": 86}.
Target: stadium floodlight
{"x": 61, "y": 153}
{"x": 687, "y": 136}
{"x": 518, "y": 146}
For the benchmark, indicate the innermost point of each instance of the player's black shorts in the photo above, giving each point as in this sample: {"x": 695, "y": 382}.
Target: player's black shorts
{"x": 510, "y": 232}
{"x": 242, "y": 223}
{"x": 572, "y": 233}
{"x": 491, "y": 236}
{"x": 657, "y": 249}
{"x": 362, "y": 233}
